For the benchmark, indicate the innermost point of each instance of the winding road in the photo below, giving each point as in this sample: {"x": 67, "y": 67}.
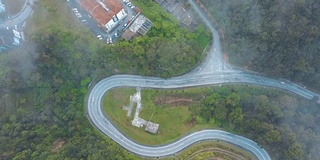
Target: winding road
{"x": 214, "y": 70}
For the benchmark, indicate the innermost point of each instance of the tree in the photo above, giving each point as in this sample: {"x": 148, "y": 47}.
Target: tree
{"x": 233, "y": 100}
{"x": 294, "y": 152}
{"x": 220, "y": 112}
{"x": 236, "y": 116}
{"x": 138, "y": 50}
{"x": 272, "y": 136}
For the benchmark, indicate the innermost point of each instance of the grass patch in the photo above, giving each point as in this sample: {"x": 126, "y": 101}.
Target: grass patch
{"x": 214, "y": 149}
{"x": 153, "y": 11}
{"x": 203, "y": 36}
{"x": 172, "y": 109}
{"x": 173, "y": 114}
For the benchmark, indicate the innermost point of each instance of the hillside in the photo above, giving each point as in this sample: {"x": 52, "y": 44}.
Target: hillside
{"x": 276, "y": 38}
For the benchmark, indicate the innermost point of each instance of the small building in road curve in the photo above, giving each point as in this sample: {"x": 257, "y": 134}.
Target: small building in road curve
{"x": 106, "y": 13}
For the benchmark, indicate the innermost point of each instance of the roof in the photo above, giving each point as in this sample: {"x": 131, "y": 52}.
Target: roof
{"x": 127, "y": 35}
{"x": 141, "y": 25}
{"x": 102, "y": 15}
{"x": 152, "y": 127}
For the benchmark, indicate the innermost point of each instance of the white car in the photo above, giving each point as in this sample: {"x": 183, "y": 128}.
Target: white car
{"x": 78, "y": 15}
{"x": 99, "y": 37}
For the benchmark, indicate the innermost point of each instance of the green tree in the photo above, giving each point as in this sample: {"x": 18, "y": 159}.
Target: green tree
{"x": 236, "y": 115}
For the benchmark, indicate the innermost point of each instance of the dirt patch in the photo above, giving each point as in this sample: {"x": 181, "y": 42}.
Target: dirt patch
{"x": 172, "y": 100}
{"x": 57, "y": 145}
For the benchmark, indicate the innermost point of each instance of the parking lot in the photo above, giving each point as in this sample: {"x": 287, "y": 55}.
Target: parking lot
{"x": 98, "y": 32}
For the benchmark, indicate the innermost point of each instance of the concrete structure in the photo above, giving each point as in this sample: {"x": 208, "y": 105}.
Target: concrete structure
{"x": 152, "y": 127}
{"x": 140, "y": 25}
{"x": 127, "y": 35}
{"x": 137, "y": 121}
{"x": 136, "y": 98}
{"x": 106, "y": 13}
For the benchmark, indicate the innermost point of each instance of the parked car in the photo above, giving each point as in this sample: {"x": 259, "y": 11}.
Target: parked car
{"x": 99, "y": 37}
{"x": 125, "y": 25}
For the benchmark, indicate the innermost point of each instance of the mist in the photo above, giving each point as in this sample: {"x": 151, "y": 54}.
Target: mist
{"x": 276, "y": 45}
{"x": 278, "y": 39}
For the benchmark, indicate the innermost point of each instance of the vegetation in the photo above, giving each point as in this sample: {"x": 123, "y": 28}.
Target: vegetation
{"x": 173, "y": 118}
{"x": 166, "y": 50}
{"x": 277, "y": 38}
{"x": 279, "y": 122}
{"x": 44, "y": 83}
{"x": 214, "y": 149}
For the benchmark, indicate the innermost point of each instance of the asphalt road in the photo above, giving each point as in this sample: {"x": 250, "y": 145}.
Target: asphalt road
{"x": 97, "y": 117}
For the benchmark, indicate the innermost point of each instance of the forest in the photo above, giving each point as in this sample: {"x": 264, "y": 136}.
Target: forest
{"x": 277, "y": 38}
{"x": 286, "y": 126}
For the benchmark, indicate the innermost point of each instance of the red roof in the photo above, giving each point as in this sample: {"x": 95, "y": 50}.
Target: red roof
{"x": 101, "y": 15}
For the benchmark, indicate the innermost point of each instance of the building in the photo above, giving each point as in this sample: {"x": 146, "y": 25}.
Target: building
{"x": 140, "y": 25}
{"x": 2, "y": 7}
{"x": 106, "y": 13}
{"x": 152, "y": 127}
{"x": 7, "y": 40}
